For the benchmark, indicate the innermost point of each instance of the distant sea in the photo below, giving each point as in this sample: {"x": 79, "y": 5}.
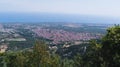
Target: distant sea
{"x": 47, "y": 17}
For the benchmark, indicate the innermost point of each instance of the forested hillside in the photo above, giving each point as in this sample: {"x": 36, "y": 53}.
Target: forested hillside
{"x": 102, "y": 53}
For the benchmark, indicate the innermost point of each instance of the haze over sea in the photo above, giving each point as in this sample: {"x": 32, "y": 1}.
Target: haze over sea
{"x": 52, "y": 17}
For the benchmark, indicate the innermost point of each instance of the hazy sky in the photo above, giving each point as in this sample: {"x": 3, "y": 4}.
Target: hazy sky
{"x": 87, "y": 7}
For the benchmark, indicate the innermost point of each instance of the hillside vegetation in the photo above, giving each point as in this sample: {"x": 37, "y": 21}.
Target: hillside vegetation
{"x": 103, "y": 53}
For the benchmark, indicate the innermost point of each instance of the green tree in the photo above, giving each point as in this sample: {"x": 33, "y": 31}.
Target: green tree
{"x": 20, "y": 60}
{"x": 93, "y": 54}
{"x": 111, "y": 47}
{"x": 78, "y": 61}
{"x": 40, "y": 55}
{"x": 107, "y": 52}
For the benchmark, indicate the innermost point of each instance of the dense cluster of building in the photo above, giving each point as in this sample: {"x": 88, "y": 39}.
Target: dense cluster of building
{"x": 59, "y": 36}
